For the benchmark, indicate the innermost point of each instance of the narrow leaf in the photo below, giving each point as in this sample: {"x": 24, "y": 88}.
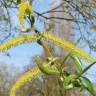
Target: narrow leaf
{"x": 77, "y": 62}
{"x": 67, "y": 82}
{"x": 89, "y": 86}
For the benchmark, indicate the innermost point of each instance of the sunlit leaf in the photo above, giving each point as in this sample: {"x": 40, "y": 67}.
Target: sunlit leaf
{"x": 46, "y": 68}
{"x": 67, "y": 82}
{"x": 77, "y": 62}
{"x": 89, "y": 86}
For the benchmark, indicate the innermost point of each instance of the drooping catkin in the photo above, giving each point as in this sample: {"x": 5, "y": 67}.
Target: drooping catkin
{"x": 17, "y": 41}
{"x": 67, "y": 45}
{"x": 24, "y": 10}
{"x": 32, "y": 74}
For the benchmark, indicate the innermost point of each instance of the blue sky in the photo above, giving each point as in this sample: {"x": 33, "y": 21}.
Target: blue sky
{"x": 21, "y": 55}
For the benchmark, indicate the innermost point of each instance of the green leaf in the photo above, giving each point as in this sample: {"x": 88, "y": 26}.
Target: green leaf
{"x": 77, "y": 82}
{"x": 69, "y": 86}
{"x": 46, "y": 68}
{"x": 77, "y": 62}
{"x": 68, "y": 82}
{"x": 18, "y": 1}
{"x": 82, "y": 88}
{"x": 89, "y": 86}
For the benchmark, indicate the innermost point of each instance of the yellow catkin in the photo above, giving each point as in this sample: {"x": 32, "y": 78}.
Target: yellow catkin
{"x": 26, "y": 77}
{"x": 24, "y": 10}
{"x": 67, "y": 45}
{"x": 32, "y": 74}
{"x": 16, "y": 41}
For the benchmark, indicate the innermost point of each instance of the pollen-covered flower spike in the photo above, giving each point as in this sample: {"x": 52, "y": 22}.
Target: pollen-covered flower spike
{"x": 25, "y": 9}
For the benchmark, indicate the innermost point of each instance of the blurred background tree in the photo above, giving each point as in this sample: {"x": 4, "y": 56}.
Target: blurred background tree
{"x": 8, "y": 75}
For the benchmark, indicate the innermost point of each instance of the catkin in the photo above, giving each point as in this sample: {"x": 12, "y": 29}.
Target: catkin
{"x": 17, "y": 41}
{"x": 67, "y": 45}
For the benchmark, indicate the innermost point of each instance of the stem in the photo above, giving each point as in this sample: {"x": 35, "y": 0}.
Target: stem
{"x": 45, "y": 47}
{"x": 65, "y": 59}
